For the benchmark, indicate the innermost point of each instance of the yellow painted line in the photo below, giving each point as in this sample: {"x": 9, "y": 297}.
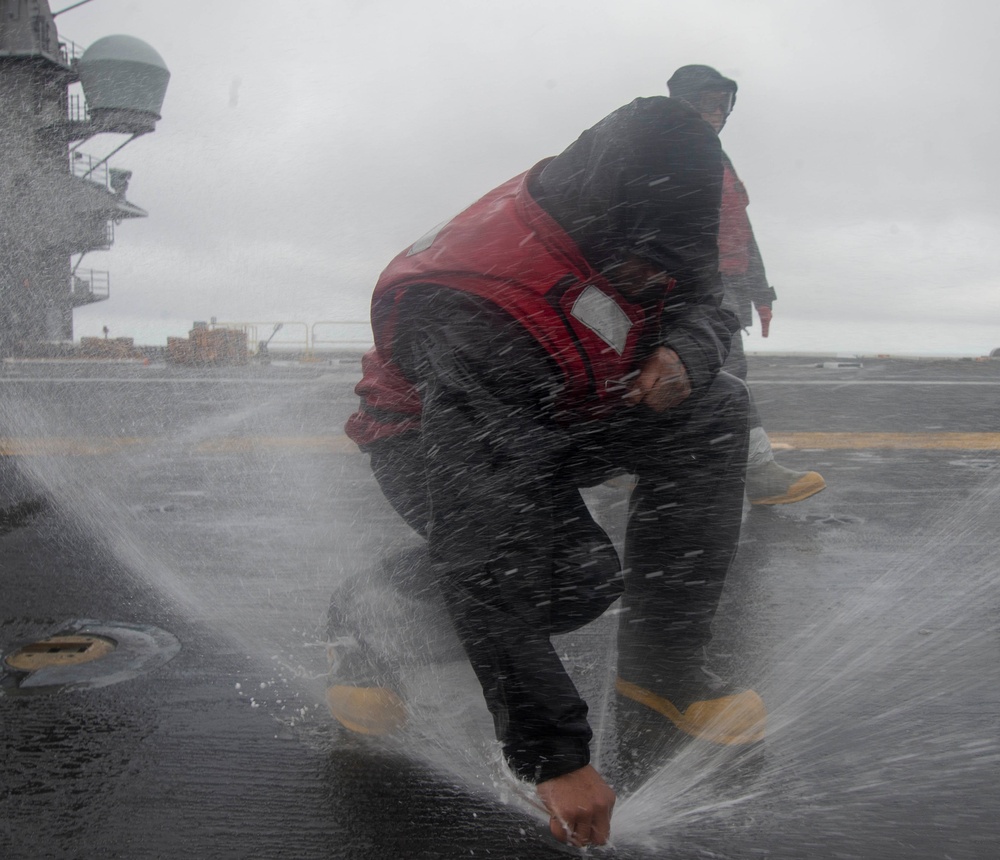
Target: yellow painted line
{"x": 64, "y": 446}
{"x": 921, "y": 441}
{"x": 240, "y": 444}
{"x": 69, "y": 446}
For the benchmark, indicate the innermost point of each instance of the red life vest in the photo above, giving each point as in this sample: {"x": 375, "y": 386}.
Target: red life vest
{"x": 734, "y": 225}
{"x": 507, "y": 249}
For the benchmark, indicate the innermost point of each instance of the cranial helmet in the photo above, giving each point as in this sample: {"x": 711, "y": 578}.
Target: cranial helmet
{"x": 689, "y": 82}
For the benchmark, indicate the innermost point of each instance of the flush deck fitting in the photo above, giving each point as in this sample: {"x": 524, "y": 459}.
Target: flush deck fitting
{"x": 62, "y": 650}
{"x": 87, "y": 653}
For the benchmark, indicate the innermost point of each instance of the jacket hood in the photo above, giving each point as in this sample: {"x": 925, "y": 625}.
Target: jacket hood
{"x": 646, "y": 181}
{"x": 689, "y": 82}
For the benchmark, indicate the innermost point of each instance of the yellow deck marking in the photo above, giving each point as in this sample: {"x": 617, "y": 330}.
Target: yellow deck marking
{"x": 238, "y": 444}
{"x": 64, "y": 446}
{"x": 70, "y": 446}
{"x": 922, "y": 441}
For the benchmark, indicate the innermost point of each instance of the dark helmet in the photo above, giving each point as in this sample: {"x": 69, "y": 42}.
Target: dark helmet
{"x": 689, "y": 82}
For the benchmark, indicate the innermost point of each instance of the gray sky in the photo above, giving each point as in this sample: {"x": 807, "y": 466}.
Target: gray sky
{"x": 300, "y": 150}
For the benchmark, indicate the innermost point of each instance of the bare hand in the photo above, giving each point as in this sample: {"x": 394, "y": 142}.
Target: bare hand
{"x": 765, "y": 315}
{"x": 580, "y": 804}
{"x": 662, "y": 382}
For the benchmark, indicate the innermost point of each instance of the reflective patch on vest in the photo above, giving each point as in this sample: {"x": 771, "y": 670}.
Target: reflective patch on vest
{"x": 425, "y": 241}
{"x": 602, "y": 315}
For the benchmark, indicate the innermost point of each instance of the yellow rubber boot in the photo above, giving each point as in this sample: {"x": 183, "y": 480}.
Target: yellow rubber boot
{"x": 360, "y": 692}
{"x": 366, "y": 710}
{"x": 771, "y": 484}
{"x": 732, "y": 720}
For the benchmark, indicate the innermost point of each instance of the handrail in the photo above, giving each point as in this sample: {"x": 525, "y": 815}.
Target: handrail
{"x": 77, "y": 109}
{"x": 286, "y": 334}
{"x": 328, "y": 341}
{"x": 87, "y": 167}
{"x": 93, "y": 284}
{"x": 299, "y": 335}
{"x": 69, "y": 51}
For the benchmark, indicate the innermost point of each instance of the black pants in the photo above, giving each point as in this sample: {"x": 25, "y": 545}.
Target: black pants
{"x": 736, "y": 364}
{"x": 517, "y": 555}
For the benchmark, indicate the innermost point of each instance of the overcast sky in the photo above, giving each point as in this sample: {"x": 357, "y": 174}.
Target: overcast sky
{"x": 304, "y": 144}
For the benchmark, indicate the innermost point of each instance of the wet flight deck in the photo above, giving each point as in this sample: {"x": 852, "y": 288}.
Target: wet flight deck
{"x": 198, "y": 520}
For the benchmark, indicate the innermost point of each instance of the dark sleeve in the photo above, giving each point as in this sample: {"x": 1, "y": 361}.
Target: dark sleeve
{"x": 682, "y": 223}
{"x": 491, "y": 454}
{"x": 647, "y": 182}
{"x": 761, "y": 293}
{"x": 699, "y": 330}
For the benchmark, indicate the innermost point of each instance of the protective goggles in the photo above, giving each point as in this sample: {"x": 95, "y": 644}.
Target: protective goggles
{"x": 709, "y": 103}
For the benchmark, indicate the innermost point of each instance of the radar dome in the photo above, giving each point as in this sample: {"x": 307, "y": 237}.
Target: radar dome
{"x": 124, "y": 81}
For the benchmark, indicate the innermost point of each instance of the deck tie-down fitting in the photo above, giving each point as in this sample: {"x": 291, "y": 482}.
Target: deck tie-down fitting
{"x": 85, "y": 654}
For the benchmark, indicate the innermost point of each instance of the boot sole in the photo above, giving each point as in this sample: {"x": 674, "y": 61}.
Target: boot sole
{"x": 366, "y": 710}
{"x": 803, "y": 488}
{"x": 729, "y": 720}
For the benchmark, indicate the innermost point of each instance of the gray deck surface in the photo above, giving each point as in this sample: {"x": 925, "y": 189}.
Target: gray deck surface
{"x": 222, "y": 506}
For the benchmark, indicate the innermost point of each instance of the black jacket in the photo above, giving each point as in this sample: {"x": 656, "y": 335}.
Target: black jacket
{"x": 647, "y": 181}
{"x": 502, "y": 472}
